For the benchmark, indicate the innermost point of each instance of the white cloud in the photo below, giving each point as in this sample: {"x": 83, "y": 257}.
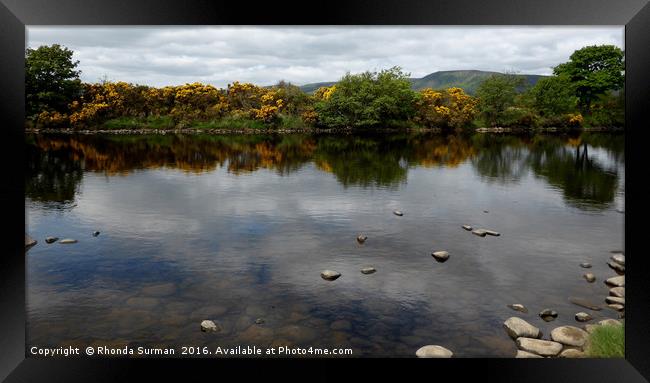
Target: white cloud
{"x": 264, "y": 55}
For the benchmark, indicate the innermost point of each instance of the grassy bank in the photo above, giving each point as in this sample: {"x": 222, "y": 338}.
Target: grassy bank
{"x": 607, "y": 341}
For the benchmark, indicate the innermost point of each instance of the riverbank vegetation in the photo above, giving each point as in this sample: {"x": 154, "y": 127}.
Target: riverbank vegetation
{"x": 586, "y": 91}
{"x": 607, "y": 342}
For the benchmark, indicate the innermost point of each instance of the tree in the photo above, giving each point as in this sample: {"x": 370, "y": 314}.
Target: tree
{"x": 368, "y": 99}
{"x": 496, "y": 94}
{"x": 51, "y": 81}
{"x": 553, "y": 96}
{"x": 593, "y": 70}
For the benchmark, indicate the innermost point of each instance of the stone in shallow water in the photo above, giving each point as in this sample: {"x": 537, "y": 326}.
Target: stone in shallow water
{"x": 518, "y": 307}
{"x": 51, "y": 239}
{"x": 259, "y": 321}
{"x": 585, "y": 265}
{"x": 330, "y": 275}
{"x": 440, "y": 256}
{"x": 615, "y": 300}
{"x": 615, "y": 266}
{"x": 368, "y": 270}
{"x": 467, "y": 227}
{"x": 589, "y": 277}
{"x": 398, "y": 213}
{"x": 95, "y": 233}
{"x": 29, "y": 242}
{"x": 609, "y": 322}
{"x": 479, "y": 232}
{"x": 68, "y": 240}
{"x": 539, "y": 346}
{"x": 432, "y": 351}
{"x": 584, "y": 303}
{"x": 526, "y": 354}
{"x": 492, "y": 232}
{"x": 617, "y": 292}
{"x": 209, "y": 326}
{"x": 583, "y": 317}
{"x": 361, "y": 238}
{"x": 618, "y": 258}
{"x": 548, "y": 315}
{"x": 616, "y": 306}
{"x": 569, "y": 335}
{"x": 517, "y": 328}
{"x": 618, "y": 281}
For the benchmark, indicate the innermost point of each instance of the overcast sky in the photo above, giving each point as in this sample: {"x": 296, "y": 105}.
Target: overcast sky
{"x": 161, "y": 56}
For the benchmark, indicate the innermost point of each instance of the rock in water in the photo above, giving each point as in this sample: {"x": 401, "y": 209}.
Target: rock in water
{"x": 589, "y": 277}
{"x": 616, "y": 307}
{"x": 618, "y": 258}
{"x": 330, "y": 275}
{"x": 583, "y": 317}
{"x": 518, "y": 307}
{"x": 467, "y": 227}
{"x": 433, "y": 351}
{"x": 539, "y": 347}
{"x": 95, "y": 233}
{"x": 570, "y": 336}
{"x": 492, "y": 232}
{"x": 479, "y": 232}
{"x": 517, "y": 328}
{"x": 616, "y": 281}
{"x": 209, "y": 326}
{"x": 361, "y": 238}
{"x": 617, "y": 292}
{"x": 259, "y": 321}
{"x": 68, "y": 240}
{"x": 572, "y": 353}
{"x": 585, "y": 304}
{"x": 51, "y": 239}
{"x": 29, "y": 242}
{"x": 615, "y": 300}
{"x": 609, "y": 322}
{"x": 585, "y": 265}
{"x": 548, "y": 315}
{"x": 398, "y": 213}
{"x": 440, "y": 256}
{"x": 368, "y": 270}
{"x": 616, "y": 267}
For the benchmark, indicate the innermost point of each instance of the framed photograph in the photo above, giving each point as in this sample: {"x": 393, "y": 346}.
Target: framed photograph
{"x": 255, "y": 190}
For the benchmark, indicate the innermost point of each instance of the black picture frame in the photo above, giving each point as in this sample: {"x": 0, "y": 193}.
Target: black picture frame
{"x": 16, "y": 14}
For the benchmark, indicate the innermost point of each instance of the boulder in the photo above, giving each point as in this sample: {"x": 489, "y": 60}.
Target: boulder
{"x": 616, "y": 267}
{"x": 618, "y": 258}
{"x": 330, "y": 275}
{"x": 615, "y": 300}
{"x": 570, "y": 336}
{"x": 518, "y": 328}
{"x": 526, "y": 354}
{"x": 539, "y": 346}
{"x": 617, "y": 292}
{"x": 618, "y": 281}
{"x": 433, "y": 351}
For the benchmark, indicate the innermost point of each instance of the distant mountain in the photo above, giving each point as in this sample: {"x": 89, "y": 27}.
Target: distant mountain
{"x": 468, "y": 80}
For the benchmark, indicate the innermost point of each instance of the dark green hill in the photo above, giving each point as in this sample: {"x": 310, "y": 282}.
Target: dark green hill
{"x": 468, "y": 80}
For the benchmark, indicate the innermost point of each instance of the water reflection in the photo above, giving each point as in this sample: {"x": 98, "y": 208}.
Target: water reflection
{"x": 56, "y": 163}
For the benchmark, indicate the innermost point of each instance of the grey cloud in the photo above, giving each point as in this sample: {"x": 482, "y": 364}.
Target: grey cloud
{"x": 264, "y": 55}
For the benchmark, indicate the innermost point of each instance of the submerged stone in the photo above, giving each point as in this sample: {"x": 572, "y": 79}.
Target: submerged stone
{"x": 548, "y": 315}
{"x": 585, "y": 265}
{"x": 51, "y": 239}
{"x": 518, "y": 307}
{"x": 440, "y": 256}
{"x": 330, "y": 275}
{"x": 583, "y": 317}
{"x": 68, "y": 240}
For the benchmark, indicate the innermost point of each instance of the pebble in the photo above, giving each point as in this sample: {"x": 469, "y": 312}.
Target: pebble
{"x": 467, "y": 227}
{"x": 432, "y": 351}
{"x": 583, "y": 317}
{"x": 492, "y": 233}
{"x": 585, "y": 265}
{"x": 398, "y": 213}
{"x": 68, "y": 240}
{"x": 368, "y": 270}
{"x": 209, "y": 326}
{"x": 361, "y": 238}
{"x": 518, "y": 307}
{"x": 589, "y": 277}
{"x": 330, "y": 275}
{"x": 51, "y": 239}
{"x": 440, "y": 256}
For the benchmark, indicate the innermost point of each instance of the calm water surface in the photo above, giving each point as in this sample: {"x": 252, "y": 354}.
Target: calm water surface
{"x": 236, "y": 228}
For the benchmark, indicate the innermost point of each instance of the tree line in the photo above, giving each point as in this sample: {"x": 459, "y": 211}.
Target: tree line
{"x": 584, "y": 91}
